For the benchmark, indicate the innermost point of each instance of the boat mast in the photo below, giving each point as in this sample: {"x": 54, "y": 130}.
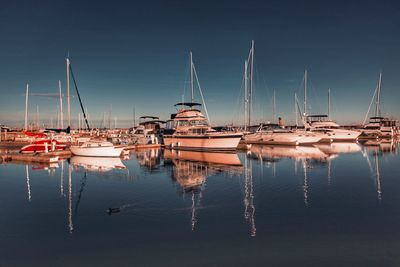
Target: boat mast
{"x": 26, "y": 107}
{"x": 295, "y": 109}
{"x": 329, "y": 103}
{"x": 245, "y": 95}
{"x": 191, "y": 76}
{"x": 273, "y": 107}
{"x": 37, "y": 117}
{"x": 134, "y": 116}
{"x": 305, "y": 93}
{"x": 68, "y": 93}
{"x": 61, "y": 106}
{"x": 251, "y": 80}
{"x": 378, "y": 97}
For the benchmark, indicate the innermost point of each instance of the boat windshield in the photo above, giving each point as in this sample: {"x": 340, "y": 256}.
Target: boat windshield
{"x": 192, "y": 123}
{"x": 269, "y": 127}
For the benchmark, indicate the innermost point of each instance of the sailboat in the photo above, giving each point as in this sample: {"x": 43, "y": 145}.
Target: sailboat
{"x": 378, "y": 126}
{"x": 268, "y": 134}
{"x": 323, "y": 125}
{"x": 191, "y": 129}
{"x": 97, "y": 148}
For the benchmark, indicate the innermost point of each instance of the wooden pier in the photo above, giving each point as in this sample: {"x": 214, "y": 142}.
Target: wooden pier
{"x": 50, "y": 157}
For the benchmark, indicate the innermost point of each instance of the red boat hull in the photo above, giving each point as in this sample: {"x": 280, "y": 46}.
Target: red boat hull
{"x": 40, "y": 146}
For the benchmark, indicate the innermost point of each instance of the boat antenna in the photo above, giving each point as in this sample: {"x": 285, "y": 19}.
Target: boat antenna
{"x": 79, "y": 97}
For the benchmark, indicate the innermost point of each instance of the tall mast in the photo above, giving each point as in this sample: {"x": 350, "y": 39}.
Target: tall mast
{"x": 245, "y": 95}
{"x": 191, "y": 75}
{"x": 37, "y": 117}
{"x": 61, "y": 106}
{"x": 26, "y": 107}
{"x": 329, "y": 103}
{"x": 273, "y": 107}
{"x": 109, "y": 117}
{"x": 68, "y": 93}
{"x": 58, "y": 117}
{"x": 305, "y": 93}
{"x": 295, "y": 109}
{"x": 251, "y": 81}
{"x": 378, "y": 97}
{"x": 134, "y": 116}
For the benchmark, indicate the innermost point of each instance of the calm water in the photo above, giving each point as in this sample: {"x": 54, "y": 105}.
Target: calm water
{"x": 335, "y": 205}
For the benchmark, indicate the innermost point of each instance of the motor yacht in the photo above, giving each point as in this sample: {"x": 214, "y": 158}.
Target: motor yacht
{"x": 330, "y": 130}
{"x": 191, "y": 131}
{"x": 274, "y": 134}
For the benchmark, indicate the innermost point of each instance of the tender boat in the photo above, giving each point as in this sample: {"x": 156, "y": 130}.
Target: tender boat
{"x": 97, "y": 149}
{"x": 40, "y": 146}
{"x": 191, "y": 131}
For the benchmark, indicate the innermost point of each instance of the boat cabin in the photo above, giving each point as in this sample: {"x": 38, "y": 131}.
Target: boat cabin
{"x": 321, "y": 121}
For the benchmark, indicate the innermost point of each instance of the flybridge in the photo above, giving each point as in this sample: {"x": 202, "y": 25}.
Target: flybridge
{"x": 188, "y": 104}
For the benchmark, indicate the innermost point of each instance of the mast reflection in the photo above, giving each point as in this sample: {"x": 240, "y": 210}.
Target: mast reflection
{"x": 28, "y": 184}
{"x": 70, "y": 222}
{"x": 191, "y": 169}
{"x": 378, "y": 148}
{"x": 248, "y": 201}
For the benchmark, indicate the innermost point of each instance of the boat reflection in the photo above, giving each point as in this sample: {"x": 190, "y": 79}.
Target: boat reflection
{"x": 271, "y": 153}
{"x": 192, "y": 167}
{"x": 338, "y": 148}
{"x": 150, "y": 158}
{"x": 97, "y": 164}
{"x": 382, "y": 146}
{"x": 190, "y": 170}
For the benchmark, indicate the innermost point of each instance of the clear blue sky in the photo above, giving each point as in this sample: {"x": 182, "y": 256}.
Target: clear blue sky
{"x": 135, "y": 53}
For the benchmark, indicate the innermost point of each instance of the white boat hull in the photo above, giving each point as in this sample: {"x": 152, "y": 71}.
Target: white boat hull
{"x": 277, "y": 138}
{"x": 106, "y": 151}
{"x": 341, "y": 135}
{"x": 219, "y": 141}
{"x": 269, "y": 138}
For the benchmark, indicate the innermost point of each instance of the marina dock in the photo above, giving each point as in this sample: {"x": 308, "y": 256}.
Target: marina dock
{"x": 50, "y": 157}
